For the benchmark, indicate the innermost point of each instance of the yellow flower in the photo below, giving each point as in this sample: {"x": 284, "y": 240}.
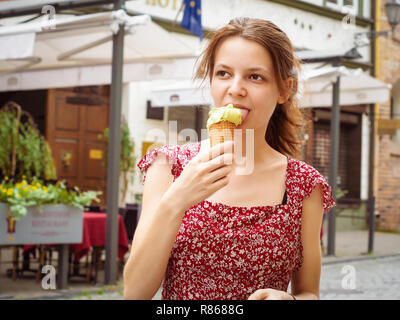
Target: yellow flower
{"x": 6, "y": 178}
{"x": 26, "y": 189}
{"x": 24, "y": 183}
{"x": 23, "y": 177}
{"x": 18, "y": 185}
{"x": 38, "y": 185}
{"x": 10, "y": 192}
{"x": 34, "y": 188}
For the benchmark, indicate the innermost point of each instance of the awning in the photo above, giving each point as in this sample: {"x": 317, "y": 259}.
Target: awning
{"x": 182, "y": 93}
{"x": 85, "y": 40}
{"x": 93, "y": 75}
{"x": 356, "y": 88}
{"x": 311, "y": 56}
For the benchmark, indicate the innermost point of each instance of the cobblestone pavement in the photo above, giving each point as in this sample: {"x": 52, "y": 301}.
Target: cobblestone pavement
{"x": 365, "y": 279}
{"x": 351, "y": 279}
{"x": 376, "y": 278}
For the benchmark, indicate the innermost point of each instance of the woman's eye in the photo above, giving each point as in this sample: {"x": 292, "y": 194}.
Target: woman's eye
{"x": 221, "y": 73}
{"x": 256, "y": 77}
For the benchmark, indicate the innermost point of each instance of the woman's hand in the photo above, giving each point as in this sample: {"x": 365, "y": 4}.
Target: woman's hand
{"x": 206, "y": 173}
{"x": 270, "y": 294}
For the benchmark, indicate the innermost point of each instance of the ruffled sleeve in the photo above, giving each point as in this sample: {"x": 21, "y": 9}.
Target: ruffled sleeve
{"x": 313, "y": 178}
{"x": 172, "y": 155}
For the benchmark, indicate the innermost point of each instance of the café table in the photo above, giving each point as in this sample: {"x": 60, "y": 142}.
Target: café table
{"x": 94, "y": 237}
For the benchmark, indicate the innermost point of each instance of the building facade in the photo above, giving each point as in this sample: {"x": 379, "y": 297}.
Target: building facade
{"x": 314, "y": 25}
{"x": 388, "y": 145}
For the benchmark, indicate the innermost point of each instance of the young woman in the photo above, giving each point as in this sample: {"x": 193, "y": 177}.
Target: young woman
{"x": 208, "y": 233}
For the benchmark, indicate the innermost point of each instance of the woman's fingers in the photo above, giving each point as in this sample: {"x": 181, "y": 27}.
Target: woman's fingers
{"x": 225, "y": 159}
{"x": 260, "y": 294}
{"x": 220, "y": 173}
{"x": 215, "y": 151}
{"x": 206, "y": 173}
{"x": 219, "y": 184}
{"x": 270, "y": 294}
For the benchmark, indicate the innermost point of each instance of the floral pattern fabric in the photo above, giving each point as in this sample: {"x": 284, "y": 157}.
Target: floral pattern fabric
{"x": 227, "y": 252}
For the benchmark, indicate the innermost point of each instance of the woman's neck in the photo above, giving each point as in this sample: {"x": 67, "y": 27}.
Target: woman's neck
{"x": 254, "y": 148}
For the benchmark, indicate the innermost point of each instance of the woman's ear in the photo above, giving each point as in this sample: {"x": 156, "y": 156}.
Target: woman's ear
{"x": 289, "y": 85}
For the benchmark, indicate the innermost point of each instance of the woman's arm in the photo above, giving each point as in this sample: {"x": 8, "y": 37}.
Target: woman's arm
{"x": 305, "y": 281}
{"x": 164, "y": 205}
{"x": 155, "y": 234}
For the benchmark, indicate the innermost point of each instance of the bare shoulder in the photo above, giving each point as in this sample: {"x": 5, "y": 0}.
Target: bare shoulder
{"x": 313, "y": 205}
{"x": 316, "y": 195}
{"x": 158, "y": 174}
{"x": 158, "y": 180}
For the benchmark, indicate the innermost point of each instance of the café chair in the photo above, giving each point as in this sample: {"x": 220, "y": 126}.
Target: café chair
{"x": 19, "y": 266}
{"x": 97, "y": 264}
{"x": 75, "y": 267}
{"x": 11, "y": 272}
{"x": 45, "y": 258}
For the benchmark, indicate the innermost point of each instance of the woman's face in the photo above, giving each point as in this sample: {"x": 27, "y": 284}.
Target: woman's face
{"x": 244, "y": 76}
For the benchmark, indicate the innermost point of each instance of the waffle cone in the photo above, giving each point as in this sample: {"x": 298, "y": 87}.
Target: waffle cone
{"x": 220, "y": 132}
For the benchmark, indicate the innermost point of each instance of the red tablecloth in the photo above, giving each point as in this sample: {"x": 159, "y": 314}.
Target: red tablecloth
{"x": 94, "y": 235}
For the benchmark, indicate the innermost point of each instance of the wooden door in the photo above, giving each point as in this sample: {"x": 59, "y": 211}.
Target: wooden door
{"x": 74, "y": 119}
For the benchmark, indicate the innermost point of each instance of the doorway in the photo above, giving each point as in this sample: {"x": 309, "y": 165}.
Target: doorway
{"x": 75, "y": 117}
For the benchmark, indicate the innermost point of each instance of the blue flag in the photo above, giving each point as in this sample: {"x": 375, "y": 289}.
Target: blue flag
{"x": 192, "y": 17}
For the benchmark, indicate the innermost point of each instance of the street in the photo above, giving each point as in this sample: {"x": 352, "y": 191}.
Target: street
{"x": 364, "y": 279}
{"x": 371, "y": 278}
{"x": 361, "y": 280}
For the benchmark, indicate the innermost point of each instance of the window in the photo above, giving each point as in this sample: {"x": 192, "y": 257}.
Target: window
{"x": 344, "y": 6}
{"x": 361, "y": 8}
{"x": 349, "y": 172}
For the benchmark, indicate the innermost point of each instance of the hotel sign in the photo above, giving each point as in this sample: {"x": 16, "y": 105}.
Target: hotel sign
{"x": 164, "y": 9}
{"x": 164, "y": 3}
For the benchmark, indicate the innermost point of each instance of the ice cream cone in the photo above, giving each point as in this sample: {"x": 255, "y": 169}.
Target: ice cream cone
{"x": 221, "y": 123}
{"x": 220, "y": 132}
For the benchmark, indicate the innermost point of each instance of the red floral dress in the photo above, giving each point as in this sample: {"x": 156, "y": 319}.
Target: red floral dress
{"x": 227, "y": 252}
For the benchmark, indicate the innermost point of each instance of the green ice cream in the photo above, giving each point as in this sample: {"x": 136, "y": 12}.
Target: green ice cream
{"x": 227, "y": 113}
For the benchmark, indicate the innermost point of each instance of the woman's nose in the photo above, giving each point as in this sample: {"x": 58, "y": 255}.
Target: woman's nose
{"x": 236, "y": 87}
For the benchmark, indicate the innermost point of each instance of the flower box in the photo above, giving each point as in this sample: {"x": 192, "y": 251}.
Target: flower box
{"x": 52, "y": 224}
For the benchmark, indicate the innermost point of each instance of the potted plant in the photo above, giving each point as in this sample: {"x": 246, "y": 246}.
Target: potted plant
{"x": 44, "y": 210}
{"x": 21, "y": 195}
{"x": 23, "y": 152}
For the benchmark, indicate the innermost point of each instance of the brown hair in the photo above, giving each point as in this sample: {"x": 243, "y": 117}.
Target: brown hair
{"x": 287, "y": 120}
